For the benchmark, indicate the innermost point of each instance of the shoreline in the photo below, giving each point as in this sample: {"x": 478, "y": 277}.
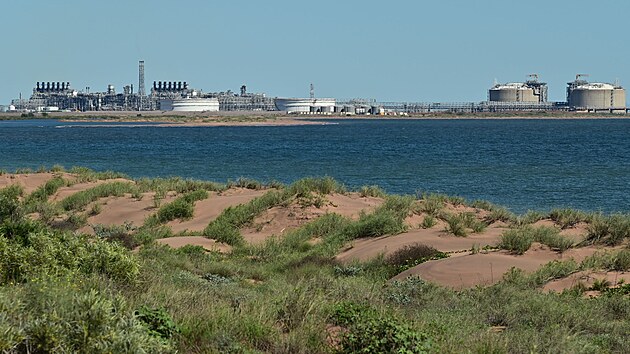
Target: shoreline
{"x": 274, "y": 118}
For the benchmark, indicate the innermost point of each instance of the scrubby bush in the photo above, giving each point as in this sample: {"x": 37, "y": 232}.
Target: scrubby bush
{"x": 432, "y": 203}
{"x": 517, "y": 241}
{"x": 54, "y": 317}
{"x": 371, "y": 191}
{"x": 182, "y": 207}
{"x": 428, "y": 221}
{"x": 10, "y": 207}
{"x": 33, "y": 252}
{"x": 79, "y": 200}
{"x": 42, "y": 193}
{"x": 567, "y": 218}
{"x": 410, "y": 256}
{"x": 611, "y": 230}
{"x": 369, "y": 332}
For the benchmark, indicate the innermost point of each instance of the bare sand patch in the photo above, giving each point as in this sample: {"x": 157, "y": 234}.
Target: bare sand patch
{"x": 29, "y": 181}
{"x": 350, "y": 205}
{"x": 65, "y": 192}
{"x": 279, "y": 220}
{"x": 586, "y": 278}
{"x": 209, "y": 209}
{"x": 206, "y": 243}
{"x": 487, "y": 268}
{"x": 368, "y": 248}
{"x": 118, "y": 210}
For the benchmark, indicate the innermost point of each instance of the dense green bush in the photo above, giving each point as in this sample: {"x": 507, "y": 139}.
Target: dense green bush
{"x": 369, "y": 332}
{"x": 33, "y": 252}
{"x": 54, "y": 317}
{"x": 182, "y": 207}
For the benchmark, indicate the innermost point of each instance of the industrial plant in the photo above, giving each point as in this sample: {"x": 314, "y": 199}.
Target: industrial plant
{"x": 178, "y": 96}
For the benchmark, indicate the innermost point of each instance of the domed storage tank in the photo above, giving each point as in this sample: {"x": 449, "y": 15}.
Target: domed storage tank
{"x": 529, "y": 91}
{"x": 596, "y": 95}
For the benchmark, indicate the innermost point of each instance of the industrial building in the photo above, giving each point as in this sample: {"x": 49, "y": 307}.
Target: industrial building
{"x": 163, "y": 95}
{"x": 594, "y": 96}
{"x": 530, "y": 95}
{"x": 530, "y": 91}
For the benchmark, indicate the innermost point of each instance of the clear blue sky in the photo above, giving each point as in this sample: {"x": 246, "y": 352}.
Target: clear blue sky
{"x": 449, "y": 50}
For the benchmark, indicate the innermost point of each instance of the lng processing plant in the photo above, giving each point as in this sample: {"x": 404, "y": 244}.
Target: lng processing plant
{"x": 177, "y": 96}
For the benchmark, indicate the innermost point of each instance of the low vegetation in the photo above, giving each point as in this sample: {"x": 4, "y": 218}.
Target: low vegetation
{"x": 65, "y": 292}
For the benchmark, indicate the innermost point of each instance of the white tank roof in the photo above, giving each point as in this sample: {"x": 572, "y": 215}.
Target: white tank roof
{"x": 596, "y": 86}
{"x": 510, "y": 85}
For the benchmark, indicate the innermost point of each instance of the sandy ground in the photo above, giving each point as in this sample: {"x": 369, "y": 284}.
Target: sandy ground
{"x": 278, "y": 220}
{"x": 29, "y": 182}
{"x": 488, "y": 268}
{"x": 208, "y": 209}
{"x": 208, "y": 244}
{"x": 587, "y": 278}
{"x": 368, "y": 248}
{"x": 65, "y": 192}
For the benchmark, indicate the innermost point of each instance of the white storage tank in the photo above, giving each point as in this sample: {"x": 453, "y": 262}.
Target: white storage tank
{"x": 595, "y": 96}
{"x": 303, "y": 105}
{"x": 190, "y": 105}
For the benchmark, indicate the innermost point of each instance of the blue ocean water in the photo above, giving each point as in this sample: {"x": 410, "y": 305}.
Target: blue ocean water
{"x": 521, "y": 164}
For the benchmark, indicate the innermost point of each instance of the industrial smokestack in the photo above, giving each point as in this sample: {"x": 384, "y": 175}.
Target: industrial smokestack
{"x": 141, "y": 91}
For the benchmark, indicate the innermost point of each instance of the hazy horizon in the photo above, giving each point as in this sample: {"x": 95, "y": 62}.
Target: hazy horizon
{"x": 405, "y": 51}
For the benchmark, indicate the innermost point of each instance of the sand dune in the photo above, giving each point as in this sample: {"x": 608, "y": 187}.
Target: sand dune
{"x": 208, "y": 209}
{"x": 278, "y": 220}
{"x": 365, "y": 249}
{"x": 29, "y": 182}
{"x": 587, "y": 278}
{"x": 65, "y": 192}
{"x": 487, "y": 268}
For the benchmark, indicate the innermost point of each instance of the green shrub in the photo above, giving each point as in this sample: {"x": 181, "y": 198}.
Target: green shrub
{"x": 432, "y": 203}
{"x": 10, "y": 207}
{"x": 567, "y": 218}
{"x": 79, "y": 200}
{"x": 371, "y": 191}
{"x": 517, "y": 241}
{"x": 177, "y": 209}
{"x": 383, "y": 222}
{"x": 122, "y": 234}
{"x": 500, "y": 214}
{"x": 550, "y": 236}
{"x": 410, "y": 256}
{"x": 369, "y": 332}
{"x": 158, "y": 321}
{"x": 42, "y": 193}
{"x": 30, "y": 251}
{"x": 247, "y": 183}
{"x": 530, "y": 217}
{"x": 456, "y": 225}
{"x": 56, "y": 318}
{"x": 428, "y": 222}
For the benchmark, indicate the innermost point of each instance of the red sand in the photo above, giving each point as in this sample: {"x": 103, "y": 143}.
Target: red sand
{"x": 278, "y": 220}
{"x": 487, "y": 268}
{"x": 29, "y": 182}
{"x": 368, "y": 248}
{"x": 208, "y": 209}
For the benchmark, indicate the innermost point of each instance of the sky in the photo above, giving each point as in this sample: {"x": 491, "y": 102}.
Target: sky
{"x": 398, "y": 50}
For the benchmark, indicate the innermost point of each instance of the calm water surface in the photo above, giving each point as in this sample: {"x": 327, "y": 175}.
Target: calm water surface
{"x": 522, "y": 164}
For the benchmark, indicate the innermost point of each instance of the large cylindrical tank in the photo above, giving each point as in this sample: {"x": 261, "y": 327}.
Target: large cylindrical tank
{"x": 303, "y": 105}
{"x": 513, "y": 92}
{"x": 190, "y": 105}
{"x": 596, "y": 96}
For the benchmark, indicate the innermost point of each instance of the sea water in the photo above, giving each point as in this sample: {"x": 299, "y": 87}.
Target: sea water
{"x": 521, "y": 164}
